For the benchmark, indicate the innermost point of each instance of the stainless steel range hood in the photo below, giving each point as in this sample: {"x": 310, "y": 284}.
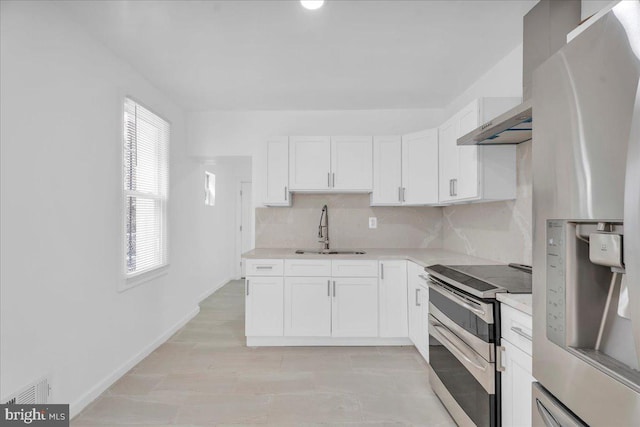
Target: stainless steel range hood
{"x": 545, "y": 30}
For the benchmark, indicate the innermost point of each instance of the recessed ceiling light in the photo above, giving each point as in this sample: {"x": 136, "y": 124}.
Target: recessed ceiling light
{"x": 312, "y": 4}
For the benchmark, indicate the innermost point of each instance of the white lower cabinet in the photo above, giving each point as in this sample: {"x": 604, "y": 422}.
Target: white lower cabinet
{"x": 517, "y": 367}
{"x": 418, "y": 308}
{"x": 307, "y": 306}
{"x": 516, "y": 386}
{"x": 354, "y": 308}
{"x": 393, "y": 299}
{"x": 264, "y": 306}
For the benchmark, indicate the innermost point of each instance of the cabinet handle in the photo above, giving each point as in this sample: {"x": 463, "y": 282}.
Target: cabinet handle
{"x": 455, "y": 187}
{"x": 247, "y": 287}
{"x": 399, "y": 194}
{"x": 522, "y": 333}
{"x": 333, "y": 179}
{"x": 329, "y": 179}
{"x": 334, "y": 288}
{"x": 382, "y": 271}
{"x": 264, "y": 267}
{"x": 286, "y": 193}
{"x": 451, "y": 187}
{"x": 404, "y": 191}
{"x": 499, "y": 358}
{"x": 329, "y": 288}
{"x": 417, "y": 297}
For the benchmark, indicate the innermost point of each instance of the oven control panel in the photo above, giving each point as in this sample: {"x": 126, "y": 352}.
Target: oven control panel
{"x": 556, "y": 301}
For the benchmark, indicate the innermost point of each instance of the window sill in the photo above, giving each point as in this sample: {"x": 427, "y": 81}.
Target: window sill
{"x": 138, "y": 279}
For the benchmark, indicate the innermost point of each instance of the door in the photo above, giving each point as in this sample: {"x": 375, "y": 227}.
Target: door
{"x": 516, "y": 386}
{"x": 352, "y": 163}
{"x": 387, "y": 170}
{"x": 467, "y": 185}
{"x": 448, "y": 160}
{"x": 393, "y": 299}
{"x": 309, "y": 163}
{"x": 278, "y": 172}
{"x": 264, "y": 306}
{"x": 307, "y": 306}
{"x": 420, "y": 168}
{"x": 354, "y": 309}
{"x": 246, "y": 229}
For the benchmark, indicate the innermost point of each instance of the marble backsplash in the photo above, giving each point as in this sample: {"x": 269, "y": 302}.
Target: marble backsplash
{"x": 297, "y": 226}
{"x": 501, "y": 231}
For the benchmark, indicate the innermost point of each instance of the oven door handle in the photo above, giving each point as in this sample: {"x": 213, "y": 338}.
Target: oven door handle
{"x": 447, "y": 337}
{"x": 453, "y": 297}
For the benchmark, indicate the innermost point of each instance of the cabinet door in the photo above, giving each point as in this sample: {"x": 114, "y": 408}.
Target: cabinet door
{"x": 420, "y": 168}
{"x": 264, "y": 306}
{"x": 352, "y": 163}
{"x": 516, "y": 386}
{"x": 423, "y": 340}
{"x": 393, "y": 299}
{"x": 467, "y": 186}
{"x": 413, "y": 303}
{"x": 354, "y": 307}
{"x": 307, "y": 306}
{"x": 309, "y": 163}
{"x": 448, "y": 160}
{"x": 278, "y": 172}
{"x": 387, "y": 170}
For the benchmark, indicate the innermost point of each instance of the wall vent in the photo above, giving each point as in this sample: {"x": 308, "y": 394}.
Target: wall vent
{"x": 35, "y": 393}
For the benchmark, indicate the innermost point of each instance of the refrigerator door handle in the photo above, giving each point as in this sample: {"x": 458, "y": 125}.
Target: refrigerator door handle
{"x": 547, "y": 418}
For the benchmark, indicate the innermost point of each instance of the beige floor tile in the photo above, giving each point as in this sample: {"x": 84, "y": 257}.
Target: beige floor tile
{"x": 225, "y": 409}
{"x": 199, "y": 383}
{"x": 314, "y": 408}
{"x": 132, "y": 384}
{"x": 120, "y": 410}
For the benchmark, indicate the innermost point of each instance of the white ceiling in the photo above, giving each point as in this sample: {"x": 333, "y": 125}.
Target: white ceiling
{"x": 275, "y": 55}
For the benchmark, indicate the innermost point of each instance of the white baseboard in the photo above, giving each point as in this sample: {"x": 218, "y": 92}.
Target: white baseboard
{"x": 325, "y": 341}
{"x": 206, "y": 294}
{"x": 76, "y": 407}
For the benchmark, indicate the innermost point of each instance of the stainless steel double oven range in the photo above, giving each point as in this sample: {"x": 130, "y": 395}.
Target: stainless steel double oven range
{"x": 464, "y": 332}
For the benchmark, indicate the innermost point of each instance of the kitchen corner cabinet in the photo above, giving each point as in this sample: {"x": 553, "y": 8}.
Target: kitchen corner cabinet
{"x": 405, "y": 169}
{"x": 475, "y": 172}
{"x": 393, "y": 299}
{"x": 321, "y": 163}
{"x": 517, "y": 367}
{"x": 418, "y": 308}
{"x": 278, "y": 172}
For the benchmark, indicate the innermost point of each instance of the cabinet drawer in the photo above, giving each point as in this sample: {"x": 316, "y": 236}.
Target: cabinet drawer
{"x": 264, "y": 267}
{"x": 516, "y": 328}
{"x": 354, "y": 268}
{"x": 307, "y": 267}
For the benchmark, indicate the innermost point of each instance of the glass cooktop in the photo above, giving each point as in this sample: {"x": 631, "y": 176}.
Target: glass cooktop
{"x": 484, "y": 280}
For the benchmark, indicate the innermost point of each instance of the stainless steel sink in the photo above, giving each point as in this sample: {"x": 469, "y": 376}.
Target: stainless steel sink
{"x": 329, "y": 252}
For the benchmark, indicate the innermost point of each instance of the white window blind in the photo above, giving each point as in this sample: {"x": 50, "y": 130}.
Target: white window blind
{"x": 146, "y": 164}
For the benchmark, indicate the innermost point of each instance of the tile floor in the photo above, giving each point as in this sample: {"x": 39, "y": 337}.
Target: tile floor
{"x": 205, "y": 376}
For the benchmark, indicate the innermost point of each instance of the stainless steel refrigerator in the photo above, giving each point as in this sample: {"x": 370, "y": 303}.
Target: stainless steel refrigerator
{"x": 586, "y": 205}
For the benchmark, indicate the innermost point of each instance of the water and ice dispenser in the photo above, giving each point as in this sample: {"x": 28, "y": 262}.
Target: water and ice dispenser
{"x": 587, "y": 296}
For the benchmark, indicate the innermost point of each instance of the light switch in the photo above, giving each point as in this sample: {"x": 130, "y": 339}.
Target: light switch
{"x": 373, "y": 222}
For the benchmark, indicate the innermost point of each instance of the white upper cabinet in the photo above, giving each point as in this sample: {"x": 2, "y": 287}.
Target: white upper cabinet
{"x": 321, "y": 163}
{"x": 310, "y": 163}
{"x": 405, "y": 169}
{"x": 420, "y": 168}
{"x": 476, "y": 172}
{"x": 387, "y": 171}
{"x": 278, "y": 172}
{"x": 351, "y": 163}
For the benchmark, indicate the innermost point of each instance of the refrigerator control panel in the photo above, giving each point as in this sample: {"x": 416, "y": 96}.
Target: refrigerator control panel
{"x": 556, "y": 300}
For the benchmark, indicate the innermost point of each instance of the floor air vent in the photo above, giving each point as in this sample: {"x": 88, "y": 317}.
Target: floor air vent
{"x": 35, "y": 393}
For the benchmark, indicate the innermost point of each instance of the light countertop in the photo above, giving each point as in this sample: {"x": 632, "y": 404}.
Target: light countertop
{"x": 423, "y": 257}
{"x": 522, "y": 302}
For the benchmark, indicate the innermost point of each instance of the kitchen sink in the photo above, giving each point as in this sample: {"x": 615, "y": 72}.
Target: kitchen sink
{"x": 330, "y": 252}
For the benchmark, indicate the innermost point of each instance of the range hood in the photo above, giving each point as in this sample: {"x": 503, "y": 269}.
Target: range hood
{"x": 545, "y": 29}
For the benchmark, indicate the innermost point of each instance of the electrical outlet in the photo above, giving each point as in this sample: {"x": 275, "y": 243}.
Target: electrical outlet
{"x": 373, "y": 222}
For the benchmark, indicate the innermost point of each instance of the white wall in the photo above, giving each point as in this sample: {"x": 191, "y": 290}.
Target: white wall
{"x": 238, "y": 133}
{"x": 61, "y": 313}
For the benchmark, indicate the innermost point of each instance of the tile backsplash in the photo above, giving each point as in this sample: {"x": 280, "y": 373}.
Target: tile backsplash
{"x": 297, "y": 226}
{"x": 499, "y": 231}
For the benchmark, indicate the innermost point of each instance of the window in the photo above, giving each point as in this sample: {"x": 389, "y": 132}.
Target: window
{"x": 209, "y": 189}
{"x": 145, "y": 169}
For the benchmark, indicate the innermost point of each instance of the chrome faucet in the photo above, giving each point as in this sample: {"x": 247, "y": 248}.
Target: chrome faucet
{"x": 323, "y": 230}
